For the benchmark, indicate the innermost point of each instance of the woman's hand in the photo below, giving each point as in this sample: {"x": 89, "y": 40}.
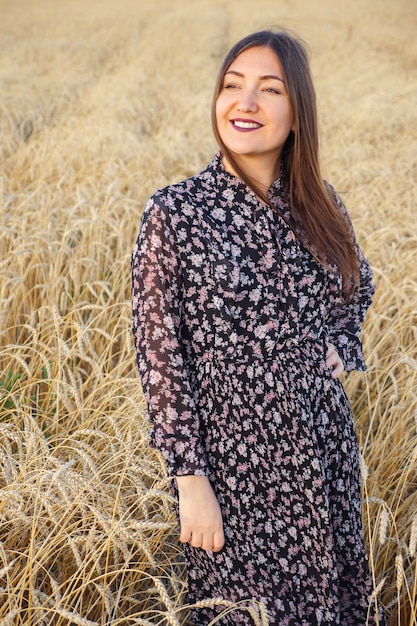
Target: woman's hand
{"x": 200, "y": 516}
{"x": 334, "y": 361}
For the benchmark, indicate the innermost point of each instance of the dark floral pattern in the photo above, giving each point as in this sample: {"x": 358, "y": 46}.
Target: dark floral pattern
{"x": 231, "y": 318}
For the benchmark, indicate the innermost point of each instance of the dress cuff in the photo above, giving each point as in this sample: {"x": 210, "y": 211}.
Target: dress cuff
{"x": 179, "y": 457}
{"x": 349, "y": 348}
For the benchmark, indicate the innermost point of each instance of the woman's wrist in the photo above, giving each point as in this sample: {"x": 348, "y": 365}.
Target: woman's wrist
{"x": 191, "y": 481}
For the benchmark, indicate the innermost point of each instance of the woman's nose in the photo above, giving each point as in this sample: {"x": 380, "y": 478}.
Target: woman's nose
{"x": 247, "y": 101}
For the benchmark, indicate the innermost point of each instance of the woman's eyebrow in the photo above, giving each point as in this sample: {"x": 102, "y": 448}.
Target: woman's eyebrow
{"x": 265, "y": 77}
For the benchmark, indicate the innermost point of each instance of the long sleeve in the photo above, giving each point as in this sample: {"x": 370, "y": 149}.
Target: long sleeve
{"x": 345, "y": 320}
{"x": 156, "y": 308}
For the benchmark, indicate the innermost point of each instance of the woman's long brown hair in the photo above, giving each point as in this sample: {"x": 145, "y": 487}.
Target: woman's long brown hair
{"x": 323, "y": 227}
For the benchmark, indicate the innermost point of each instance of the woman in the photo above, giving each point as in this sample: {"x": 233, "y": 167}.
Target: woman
{"x": 249, "y": 291}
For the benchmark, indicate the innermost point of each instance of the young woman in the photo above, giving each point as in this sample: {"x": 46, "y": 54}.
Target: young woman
{"x": 249, "y": 292}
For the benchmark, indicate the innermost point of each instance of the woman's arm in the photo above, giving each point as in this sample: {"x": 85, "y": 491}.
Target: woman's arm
{"x": 344, "y": 322}
{"x": 156, "y": 307}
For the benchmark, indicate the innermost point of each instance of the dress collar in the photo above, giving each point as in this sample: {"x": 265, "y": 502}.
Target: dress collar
{"x": 223, "y": 175}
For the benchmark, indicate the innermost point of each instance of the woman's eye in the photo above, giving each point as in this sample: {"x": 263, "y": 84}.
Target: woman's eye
{"x": 230, "y": 86}
{"x": 272, "y": 90}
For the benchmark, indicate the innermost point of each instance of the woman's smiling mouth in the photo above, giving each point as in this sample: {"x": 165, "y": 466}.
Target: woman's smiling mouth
{"x": 245, "y": 125}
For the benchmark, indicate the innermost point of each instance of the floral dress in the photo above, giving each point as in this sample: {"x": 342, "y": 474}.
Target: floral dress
{"x": 231, "y": 320}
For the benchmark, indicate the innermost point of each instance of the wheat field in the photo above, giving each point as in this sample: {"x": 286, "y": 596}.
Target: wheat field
{"x": 101, "y": 103}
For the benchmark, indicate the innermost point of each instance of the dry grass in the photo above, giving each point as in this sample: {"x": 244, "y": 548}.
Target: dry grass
{"x": 102, "y": 102}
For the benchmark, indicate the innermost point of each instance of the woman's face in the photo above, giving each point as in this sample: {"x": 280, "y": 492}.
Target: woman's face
{"x": 253, "y": 110}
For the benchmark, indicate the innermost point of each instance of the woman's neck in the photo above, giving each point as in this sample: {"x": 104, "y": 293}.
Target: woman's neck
{"x": 260, "y": 170}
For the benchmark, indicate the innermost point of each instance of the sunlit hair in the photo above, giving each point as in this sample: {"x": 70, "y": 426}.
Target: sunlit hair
{"x": 321, "y": 224}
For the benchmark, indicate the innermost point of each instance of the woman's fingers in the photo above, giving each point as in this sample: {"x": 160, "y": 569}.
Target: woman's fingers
{"x": 334, "y": 361}
{"x": 337, "y": 370}
{"x": 208, "y": 542}
{"x": 218, "y": 541}
{"x": 196, "y": 540}
{"x": 185, "y": 535}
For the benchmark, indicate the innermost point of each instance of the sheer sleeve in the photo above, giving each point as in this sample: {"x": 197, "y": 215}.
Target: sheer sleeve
{"x": 345, "y": 320}
{"x": 156, "y": 308}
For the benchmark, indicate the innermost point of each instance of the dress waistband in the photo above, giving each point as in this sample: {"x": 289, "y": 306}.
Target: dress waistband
{"x": 307, "y": 347}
